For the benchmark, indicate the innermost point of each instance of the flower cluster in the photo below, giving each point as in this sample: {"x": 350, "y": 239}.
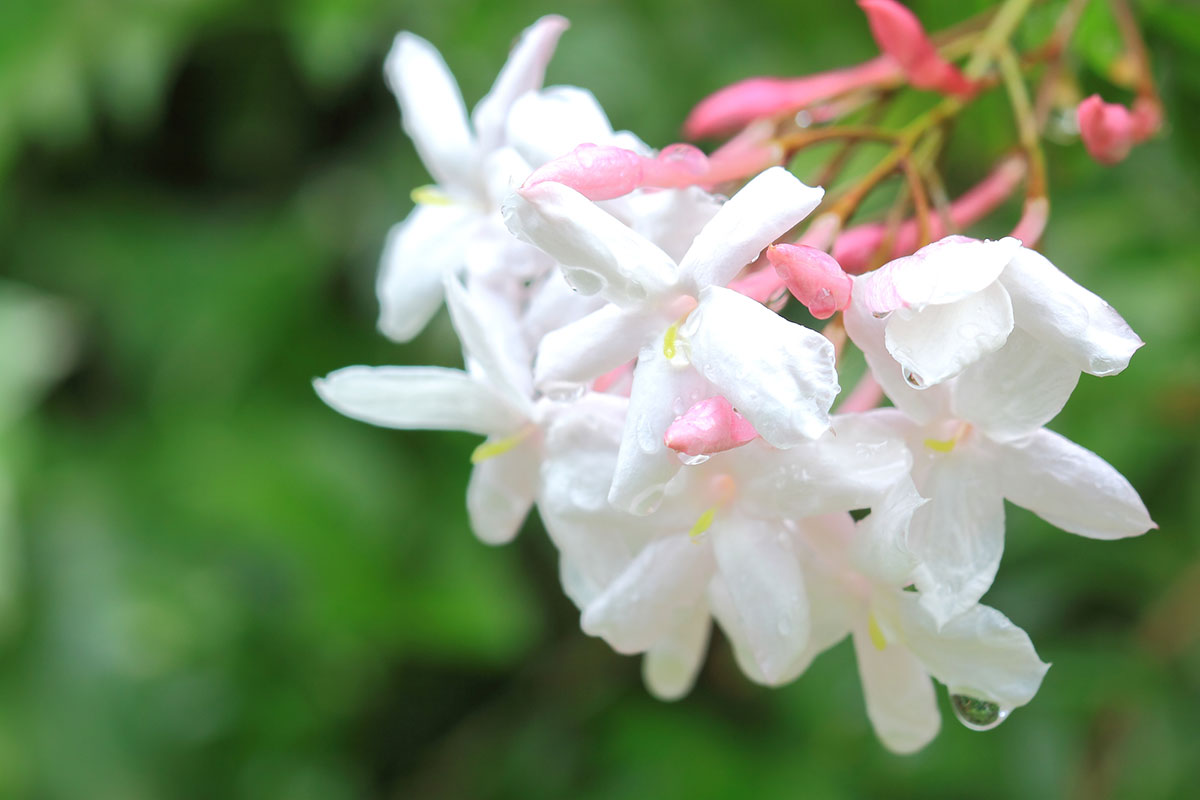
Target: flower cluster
{"x": 627, "y": 364}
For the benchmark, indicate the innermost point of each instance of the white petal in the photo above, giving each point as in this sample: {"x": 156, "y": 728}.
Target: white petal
{"x": 958, "y": 536}
{"x": 418, "y": 253}
{"x": 1058, "y": 311}
{"x": 431, "y": 109}
{"x": 765, "y": 209}
{"x": 946, "y": 271}
{"x": 669, "y": 668}
{"x": 671, "y": 219}
{"x": 554, "y": 304}
{"x": 901, "y": 703}
{"x": 867, "y": 333}
{"x": 501, "y": 491}
{"x": 598, "y": 253}
{"x": 880, "y": 547}
{"x": 594, "y": 345}
{"x": 410, "y": 398}
{"x": 854, "y": 466}
{"x": 523, "y": 72}
{"x": 779, "y": 375}
{"x": 481, "y": 325}
{"x": 1016, "y": 390}
{"x": 979, "y": 653}
{"x": 658, "y": 591}
{"x": 551, "y": 123}
{"x": 759, "y": 568}
{"x": 661, "y": 391}
{"x": 940, "y": 341}
{"x": 1071, "y": 488}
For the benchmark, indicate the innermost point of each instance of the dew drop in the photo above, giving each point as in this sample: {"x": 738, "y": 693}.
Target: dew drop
{"x": 879, "y": 314}
{"x": 913, "y": 379}
{"x": 803, "y": 119}
{"x": 564, "y": 392}
{"x": 784, "y": 626}
{"x": 692, "y": 461}
{"x": 648, "y": 500}
{"x": 976, "y": 713}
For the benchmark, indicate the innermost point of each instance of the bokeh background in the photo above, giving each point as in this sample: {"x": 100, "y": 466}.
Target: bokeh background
{"x": 212, "y": 586}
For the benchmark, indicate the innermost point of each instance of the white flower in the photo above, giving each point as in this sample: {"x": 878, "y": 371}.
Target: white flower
{"x": 1013, "y": 330}
{"x": 690, "y": 334}
{"x": 492, "y": 398}
{"x": 957, "y": 538}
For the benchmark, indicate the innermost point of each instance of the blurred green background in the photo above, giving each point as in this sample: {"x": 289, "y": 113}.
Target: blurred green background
{"x": 216, "y": 587}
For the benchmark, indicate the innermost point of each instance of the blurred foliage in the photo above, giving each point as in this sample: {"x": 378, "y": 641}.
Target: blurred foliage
{"x": 221, "y": 588}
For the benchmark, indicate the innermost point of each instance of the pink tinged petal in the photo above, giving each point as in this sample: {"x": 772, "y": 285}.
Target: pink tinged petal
{"x": 900, "y": 35}
{"x": 658, "y": 591}
{"x": 765, "y": 209}
{"x": 710, "y": 426}
{"x": 813, "y": 277}
{"x": 762, "y": 573}
{"x": 599, "y": 255}
{"x": 867, "y": 332}
{"x": 780, "y": 376}
{"x": 958, "y": 536}
{"x": 901, "y": 703}
{"x": 431, "y": 109}
{"x": 738, "y": 105}
{"x": 596, "y": 172}
{"x": 979, "y": 653}
{"x": 950, "y": 269}
{"x": 412, "y": 398}
{"x": 1067, "y": 317}
{"x": 1016, "y": 390}
{"x": 501, "y": 492}
{"x": 1071, "y": 488}
{"x": 593, "y": 345}
{"x": 938, "y": 342}
{"x": 545, "y": 125}
{"x": 419, "y": 252}
{"x": 645, "y": 465}
{"x": 1107, "y": 129}
{"x": 482, "y": 345}
{"x": 670, "y": 666}
{"x": 523, "y": 72}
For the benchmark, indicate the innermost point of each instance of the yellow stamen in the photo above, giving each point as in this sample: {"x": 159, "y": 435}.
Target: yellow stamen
{"x": 947, "y": 445}
{"x": 669, "y": 341}
{"x": 498, "y": 447}
{"x": 877, "y": 637}
{"x": 704, "y": 523}
{"x": 431, "y": 195}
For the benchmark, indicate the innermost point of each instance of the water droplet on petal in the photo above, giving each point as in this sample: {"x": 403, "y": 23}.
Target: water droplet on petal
{"x": 692, "y": 461}
{"x": 913, "y": 379}
{"x": 880, "y": 314}
{"x": 648, "y": 500}
{"x": 803, "y": 119}
{"x": 976, "y": 713}
{"x": 564, "y": 392}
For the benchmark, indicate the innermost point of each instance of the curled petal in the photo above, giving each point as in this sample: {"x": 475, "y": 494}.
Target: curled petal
{"x": 813, "y": 277}
{"x": 901, "y": 703}
{"x": 950, "y": 269}
{"x": 710, "y": 426}
{"x": 501, "y": 491}
{"x": 900, "y": 35}
{"x": 1067, "y": 317}
{"x": 670, "y": 665}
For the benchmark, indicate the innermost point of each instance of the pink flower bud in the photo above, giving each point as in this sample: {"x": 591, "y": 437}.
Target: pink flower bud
{"x": 742, "y": 103}
{"x": 1109, "y": 130}
{"x": 813, "y": 277}
{"x": 596, "y": 172}
{"x": 900, "y": 35}
{"x": 710, "y": 426}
